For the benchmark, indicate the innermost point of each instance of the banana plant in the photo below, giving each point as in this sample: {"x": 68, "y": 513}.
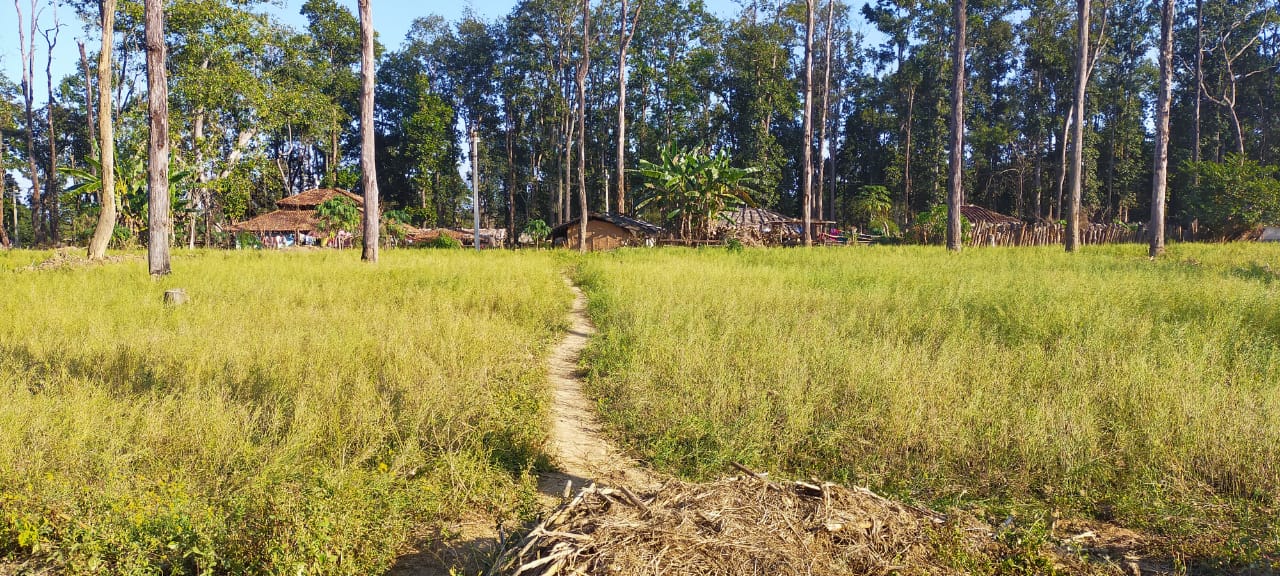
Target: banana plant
{"x": 131, "y": 188}
{"x": 696, "y": 186}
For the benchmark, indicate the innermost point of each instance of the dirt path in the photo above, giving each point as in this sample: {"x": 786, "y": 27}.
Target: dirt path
{"x": 578, "y": 445}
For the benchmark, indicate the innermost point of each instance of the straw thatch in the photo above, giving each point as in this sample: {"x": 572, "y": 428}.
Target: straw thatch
{"x": 280, "y": 221}
{"x": 979, "y": 215}
{"x": 740, "y": 525}
{"x": 314, "y": 197}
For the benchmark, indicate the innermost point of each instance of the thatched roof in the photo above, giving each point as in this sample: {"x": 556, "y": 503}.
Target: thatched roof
{"x": 283, "y": 221}
{"x": 747, "y": 217}
{"x": 980, "y": 215}
{"x": 634, "y": 225}
{"x": 309, "y": 199}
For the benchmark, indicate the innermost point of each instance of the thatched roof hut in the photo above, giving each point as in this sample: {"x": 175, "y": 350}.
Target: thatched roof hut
{"x": 296, "y": 215}
{"x": 608, "y": 230}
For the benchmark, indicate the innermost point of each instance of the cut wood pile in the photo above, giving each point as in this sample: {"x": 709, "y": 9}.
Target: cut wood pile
{"x": 741, "y": 525}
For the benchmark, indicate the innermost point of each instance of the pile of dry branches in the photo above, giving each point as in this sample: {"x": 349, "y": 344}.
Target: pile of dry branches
{"x": 737, "y": 526}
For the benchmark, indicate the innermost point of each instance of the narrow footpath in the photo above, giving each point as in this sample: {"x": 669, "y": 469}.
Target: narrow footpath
{"x": 578, "y": 445}
{"x": 578, "y": 448}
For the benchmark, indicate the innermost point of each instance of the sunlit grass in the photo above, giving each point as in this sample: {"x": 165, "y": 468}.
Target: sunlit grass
{"x": 1101, "y": 384}
{"x": 304, "y": 413}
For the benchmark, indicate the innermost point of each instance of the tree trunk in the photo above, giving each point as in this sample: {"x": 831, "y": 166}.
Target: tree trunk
{"x": 511, "y": 176}
{"x": 625, "y": 34}
{"x": 4, "y": 236}
{"x": 806, "y": 185}
{"x": 368, "y": 166}
{"x": 88, "y": 99}
{"x": 826, "y": 98}
{"x": 583, "y": 67}
{"x": 27, "y": 52}
{"x": 906, "y": 168}
{"x": 1160, "y": 171}
{"x": 1195, "y": 132}
{"x": 51, "y": 177}
{"x": 107, "y": 150}
{"x": 159, "y": 222}
{"x": 1077, "y": 140}
{"x": 955, "y": 186}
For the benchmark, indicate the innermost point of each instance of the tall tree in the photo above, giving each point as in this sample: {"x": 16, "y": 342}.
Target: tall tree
{"x": 1077, "y": 134}
{"x": 826, "y": 106}
{"x": 625, "y": 33}
{"x": 107, "y": 150}
{"x": 806, "y": 183}
{"x": 27, "y": 52}
{"x": 368, "y": 167}
{"x": 1163, "y": 96}
{"x": 584, "y": 65}
{"x": 51, "y": 176}
{"x": 955, "y": 187}
{"x": 159, "y": 221}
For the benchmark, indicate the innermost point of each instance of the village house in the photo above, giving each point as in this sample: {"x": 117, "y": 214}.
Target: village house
{"x": 606, "y": 231}
{"x": 294, "y": 222}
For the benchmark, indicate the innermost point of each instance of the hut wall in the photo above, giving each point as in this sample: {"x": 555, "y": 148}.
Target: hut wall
{"x": 600, "y": 236}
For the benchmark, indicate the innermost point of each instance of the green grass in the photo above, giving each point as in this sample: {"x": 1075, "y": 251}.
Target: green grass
{"x": 303, "y": 414}
{"x": 1100, "y": 384}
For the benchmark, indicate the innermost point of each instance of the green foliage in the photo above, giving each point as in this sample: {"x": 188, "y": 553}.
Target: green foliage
{"x": 930, "y": 226}
{"x": 245, "y": 434}
{"x": 538, "y": 231}
{"x": 1233, "y": 196}
{"x": 695, "y": 186}
{"x": 874, "y": 208}
{"x": 444, "y": 241}
{"x": 338, "y": 214}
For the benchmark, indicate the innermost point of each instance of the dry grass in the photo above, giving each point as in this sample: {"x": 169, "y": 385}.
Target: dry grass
{"x": 1018, "y": 381}
{"x": 304, "y": 413}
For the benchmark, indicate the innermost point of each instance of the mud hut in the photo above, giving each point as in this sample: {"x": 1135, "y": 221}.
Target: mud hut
{"x": 606, "y": 231}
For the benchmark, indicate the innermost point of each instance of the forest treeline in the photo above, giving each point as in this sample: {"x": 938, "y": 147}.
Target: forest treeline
{"x": 260, "y": 110}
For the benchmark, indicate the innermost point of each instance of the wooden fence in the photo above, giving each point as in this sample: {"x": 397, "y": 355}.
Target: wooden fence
{"x": 1049, "y": 234}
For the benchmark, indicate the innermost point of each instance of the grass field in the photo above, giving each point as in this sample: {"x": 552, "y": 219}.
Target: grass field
{"x": 303, "y": 414}
{"x": 1010, "y": 381}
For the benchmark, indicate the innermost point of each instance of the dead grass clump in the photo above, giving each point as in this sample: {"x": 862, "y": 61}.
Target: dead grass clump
{"x": 736, "y": 526}
{"x": 64, "y": 259}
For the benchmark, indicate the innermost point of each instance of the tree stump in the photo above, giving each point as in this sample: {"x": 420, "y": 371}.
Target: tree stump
{"x": 175, "y": 297}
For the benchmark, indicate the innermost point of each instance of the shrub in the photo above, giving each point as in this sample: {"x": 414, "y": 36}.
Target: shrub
{"x": 1233, "y": 196}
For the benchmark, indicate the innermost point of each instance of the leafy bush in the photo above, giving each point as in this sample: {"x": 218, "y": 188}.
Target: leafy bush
{"x": 338, "y": 214}
{"x": 442, "y": 240}
{"x": 538, "y": 231}
{"x": 931, "y": 226}
{"x": 1233, "y": 196}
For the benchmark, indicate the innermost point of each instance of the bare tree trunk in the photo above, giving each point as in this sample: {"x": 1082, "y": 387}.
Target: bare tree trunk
{"x": 368, "y": 165}
{"x": 88, "y": 99}
{"x": 1077, "y": 140}
{"x": 27, "y": 52}
{"x": 906, "y": 172}
{"x": 625, "y": 34}
{"x": 51, "y": 177}
{"x": 1160, "y": 171}
{"x": 1064, "y": 146}
{"x": 107, "y": 150}
{"x": 4, "y": 236}
{"x": 806, "y": 185}
{"x": 1195, "y": 134}
{"x": 511, "y": 175}
{"x": 826, "y": 98}
{"x": 955, "y": 186}
{"x": 583, "y": 67}
{"x": 159, "y": 222}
